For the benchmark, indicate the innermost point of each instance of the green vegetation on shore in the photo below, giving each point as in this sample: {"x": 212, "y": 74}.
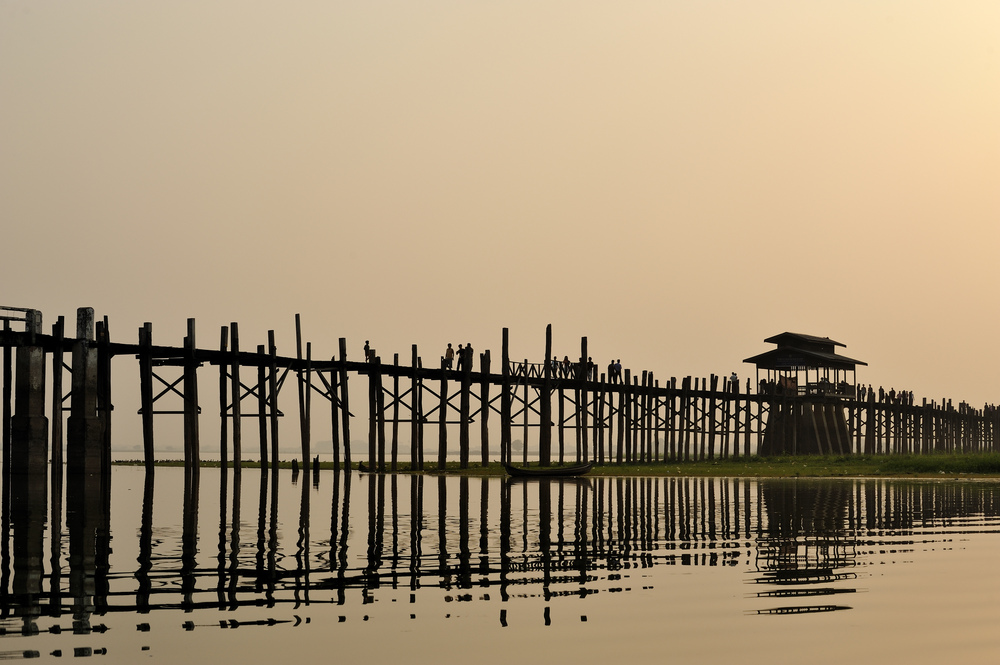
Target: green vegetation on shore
{"x": 977, "y": 464}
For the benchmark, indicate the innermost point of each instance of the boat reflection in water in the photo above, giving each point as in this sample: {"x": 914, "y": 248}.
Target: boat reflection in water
{"x": 339, "y": 547}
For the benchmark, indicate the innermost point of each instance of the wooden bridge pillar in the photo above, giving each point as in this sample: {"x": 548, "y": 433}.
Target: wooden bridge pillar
{"x": 505, "y": 401}
{"x": 345, "y": 420}
{"x": 545, "y": 404}
{"x": 192, "y": 452}
{"x": 416, "y": 412}
{"x": 443, "y": 421}
{"x": 262, "y": 406}
{"x": 236, "y": 394}
{"x": 104, "y": 406}
{"x": 84, "y": 444}
{"x": 272, "y": 382}
{"x": 57, "y": 397}
{"x": 146, "y": 392}
{"x": 582, "y": 404}
{"x": 484, "y": 407}
{"x": 464, "y": 410}
{"x": 29, "y": 426}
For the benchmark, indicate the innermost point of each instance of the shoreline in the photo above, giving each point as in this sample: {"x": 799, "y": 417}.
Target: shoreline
{"x": 972, "y": 465}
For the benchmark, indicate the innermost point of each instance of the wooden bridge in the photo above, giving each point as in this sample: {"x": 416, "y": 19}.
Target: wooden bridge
{"x": 574, "y": 413}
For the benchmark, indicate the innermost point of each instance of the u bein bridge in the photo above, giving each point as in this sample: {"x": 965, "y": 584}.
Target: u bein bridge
{"x": 806, "y": 402}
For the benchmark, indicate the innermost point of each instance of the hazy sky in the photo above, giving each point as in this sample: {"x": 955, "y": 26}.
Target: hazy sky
{"x": 674, "y": 180}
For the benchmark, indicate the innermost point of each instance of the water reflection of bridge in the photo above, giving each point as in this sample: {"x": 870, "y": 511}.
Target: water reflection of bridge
{"x": 468, "y": 536}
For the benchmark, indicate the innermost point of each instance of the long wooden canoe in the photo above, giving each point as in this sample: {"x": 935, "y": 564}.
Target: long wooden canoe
{"x": 547, "y": 471}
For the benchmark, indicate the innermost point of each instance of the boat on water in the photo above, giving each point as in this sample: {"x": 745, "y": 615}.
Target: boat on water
{"x": 548, "y": 471}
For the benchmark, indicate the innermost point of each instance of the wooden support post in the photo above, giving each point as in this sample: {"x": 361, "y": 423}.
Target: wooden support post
{"x": 374, "y": 413}
{"x": 262, "y": 404}
{"x": 545, "y": 426}
{"x": 622, "y": 408}
{"x": 561, "y": 421}
{"x": 465, "y": 408}
{"x": 104, "y": 406}
{"x": 670, "y": 442}
{"x": 29, "y": 426}
{"x": 84, "y": 427}
{"x": 443, "y": 421}
{"x": 642, "y": 418}
{"x": 685, "y": 417}
{"x": 236, "y": 393}
{"x": 146, "y": 392}
{"x": 415, "y": 413}
{"x": 599, "y": 422}
{"x": 747, "y": 415}
{"x": 870, "y": 428}
{"x": 712, "y": 406}
{"x": 223, "y": 398}
{"x": 335, "y": 417}
{"x": 525, "y": 411}
{"x": 926, "y": 427}
{"x": 301, "y": 385}
{"x": 191, "y": 446}
{"x": 308, "y": 429}
{"x": 582, "y": 403}
{"x": 729, "y": 401}
{"x": 505, "y": 388}
{"x": 420, "y": 411}
{"x": 272, "y": 352}
{"x": 58, "y": 336}
{"x": 652, "y": 416}
{"x": 628, "y": 423}
{"x": 657, "y": 421}
{"x": 484, "y": 407}
{"x": 345, "y": 412}
{"x": 393, "y": 458}
{"x": 8, "y": 384}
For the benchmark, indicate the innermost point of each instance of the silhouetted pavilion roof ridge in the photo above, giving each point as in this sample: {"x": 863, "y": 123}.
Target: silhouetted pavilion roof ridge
{"x": 788, "y": 338}
{"x": 798, "y": 350}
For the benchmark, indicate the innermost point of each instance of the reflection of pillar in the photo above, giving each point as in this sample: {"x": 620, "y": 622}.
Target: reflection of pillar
{"x": 505, "y": 529}
{"x": 302, "y": 550}
{"x": 88, "y": 539}
{"x": 234, "y": 547}
{"x": 416, "y": 527}
{"x": 28, "y": 516}
{"x": 145, "y": 585}
{"x": 545, "y": 532}
{"x": 464, "y": 573}
{"x": 803, "y": 515}
{"x": 189, "y": 537}
{"x": 443, "y": 530}
{"x": 84, "y": 427}
{"x": 29, "y": 426}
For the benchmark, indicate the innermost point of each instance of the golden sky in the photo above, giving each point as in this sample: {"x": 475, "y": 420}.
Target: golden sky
{"x": 674, "y": 180}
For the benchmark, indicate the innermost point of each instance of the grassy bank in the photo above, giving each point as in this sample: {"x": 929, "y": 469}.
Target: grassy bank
{"x": 926, "y": 466}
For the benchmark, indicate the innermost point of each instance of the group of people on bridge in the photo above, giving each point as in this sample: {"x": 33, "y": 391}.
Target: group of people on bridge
{"x": 464, "y": 355}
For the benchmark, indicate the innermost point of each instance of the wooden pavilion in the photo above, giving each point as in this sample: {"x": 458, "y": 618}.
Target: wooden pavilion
{"x": 809, "y": 382}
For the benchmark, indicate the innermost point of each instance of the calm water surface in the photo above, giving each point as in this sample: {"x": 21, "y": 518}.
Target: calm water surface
{"x": 255, "y": 569}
